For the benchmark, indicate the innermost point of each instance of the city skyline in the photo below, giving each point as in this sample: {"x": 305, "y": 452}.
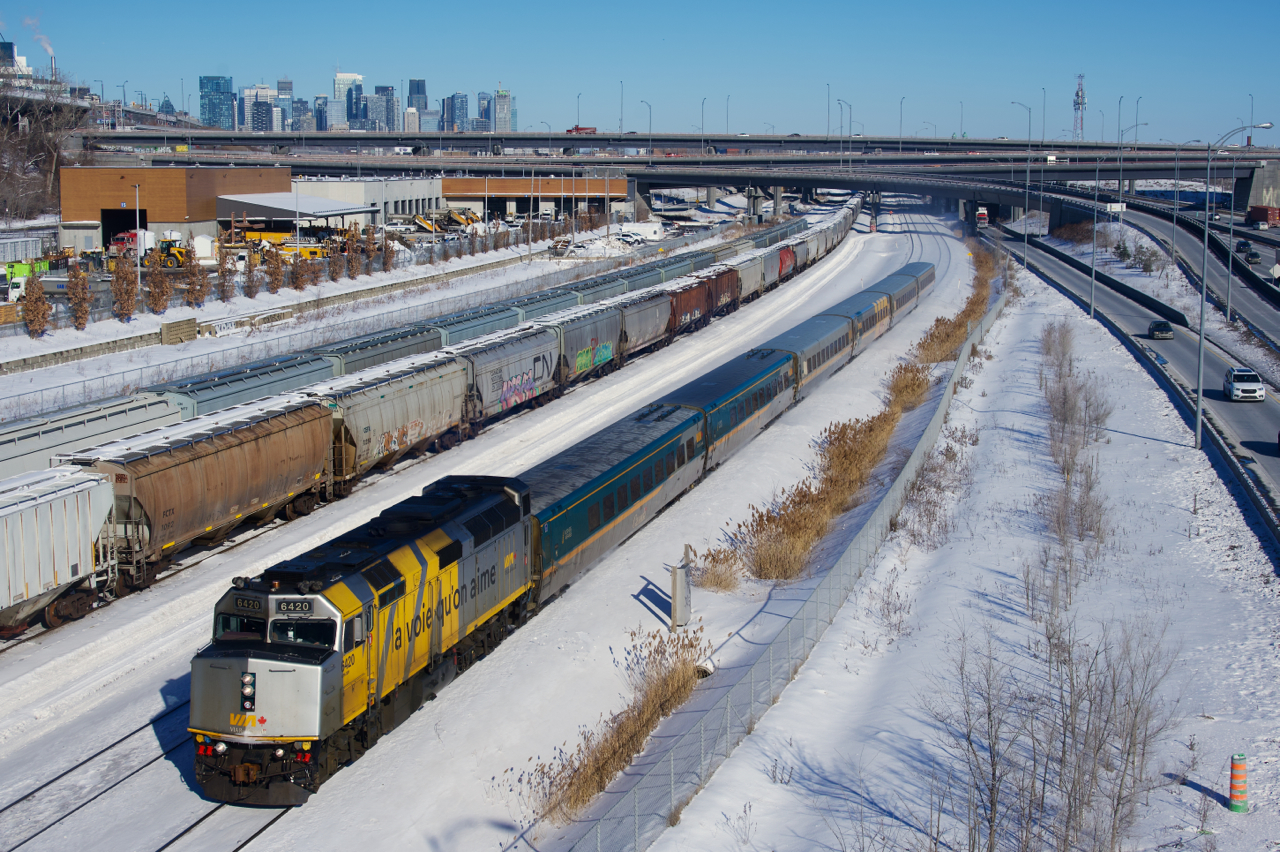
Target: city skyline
{"x": 745, "y": 86}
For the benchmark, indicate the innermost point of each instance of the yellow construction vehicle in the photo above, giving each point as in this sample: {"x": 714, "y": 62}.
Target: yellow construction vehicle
{"x": 170, "y": 253}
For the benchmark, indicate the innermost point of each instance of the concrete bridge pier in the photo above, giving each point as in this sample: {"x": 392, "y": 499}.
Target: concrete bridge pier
{"x": 777, "y": 201}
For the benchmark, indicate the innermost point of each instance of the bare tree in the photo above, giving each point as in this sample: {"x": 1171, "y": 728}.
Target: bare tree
{"x": 226, "y": 271}
{"x": 37, "y": 121}
{"x": 252, "y": 280}
{"x": 36, "y": 309}
{"x": 124, "y": 289}
{"x": 78, "y": 296}
{"x": 159, "y": 287}
{"x": 275, "y": 269}
{"x": 194, "y": 275}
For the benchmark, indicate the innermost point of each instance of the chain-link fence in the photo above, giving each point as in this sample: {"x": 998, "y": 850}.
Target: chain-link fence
{"x": 724, "y": 709}
{"x": 125, "y": 382}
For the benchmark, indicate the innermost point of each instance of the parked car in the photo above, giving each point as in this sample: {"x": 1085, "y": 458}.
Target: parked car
{"x": 1253, "y": 257}
{"x": 1160, "y": 330}
{"x": 1241, "y": 383}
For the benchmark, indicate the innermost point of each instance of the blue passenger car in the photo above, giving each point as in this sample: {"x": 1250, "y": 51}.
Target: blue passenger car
{"x": 592, "y": 496}
{"x": 739, "y": 399}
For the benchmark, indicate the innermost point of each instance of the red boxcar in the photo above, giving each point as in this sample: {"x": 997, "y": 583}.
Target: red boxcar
{"x": 688, "y": 304}
{"x": 722, "y": 289}
{"x": 786, "y": 262}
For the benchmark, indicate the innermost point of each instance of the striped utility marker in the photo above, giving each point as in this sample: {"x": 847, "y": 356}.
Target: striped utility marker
{"x": 1239, "y": 785}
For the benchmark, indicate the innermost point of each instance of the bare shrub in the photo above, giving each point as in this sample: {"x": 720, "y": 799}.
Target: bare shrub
{"x": 36, "y": 309}
{"x": 945, "y": 474}
{"x": 661, "y": 669}
{"x": 78, "y": 295}
{"x": 368, "y": 247}
{"x": 353, "y": 252}
{"x": 124, "y": 289}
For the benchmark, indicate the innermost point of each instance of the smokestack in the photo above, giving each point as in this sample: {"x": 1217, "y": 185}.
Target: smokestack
{"x": 53, "y": 67}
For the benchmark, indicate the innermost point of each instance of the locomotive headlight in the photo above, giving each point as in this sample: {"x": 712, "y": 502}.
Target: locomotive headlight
{"x": 247, "y": 689}
{"x": 246, "y": 678}
{"x": 220, "y": 748}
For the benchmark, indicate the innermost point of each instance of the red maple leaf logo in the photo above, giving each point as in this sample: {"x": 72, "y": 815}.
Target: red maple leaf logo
{"x": 262, "y": 720}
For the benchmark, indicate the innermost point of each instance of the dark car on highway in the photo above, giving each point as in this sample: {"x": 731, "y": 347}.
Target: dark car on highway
{"x": 1160, "y": 330}
{"x": 1243, "y": 245}
{"x": 1253, "y": 257}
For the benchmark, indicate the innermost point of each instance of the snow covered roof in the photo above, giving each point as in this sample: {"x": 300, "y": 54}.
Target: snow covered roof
{"x": 286, "y": 205}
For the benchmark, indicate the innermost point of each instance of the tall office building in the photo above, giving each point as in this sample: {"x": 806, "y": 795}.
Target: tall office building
{"x": 418, "y": 95}
{"x": 411, "y": 124}
{"x": 217, "y": 103}
{"x": 342, "y": 82}
{"x": 386, "y": 106}
{"x": 502, "y": 111}
{"x": 429, "y": 121}
{"x": 284, "y": 99}
{"x": 515, "y": 123}
{"x": 260, "y": 116}
{"x": 320, "y": 109}
{"x": 484, "y": 103}
{"x": 251, "y": 95}
{"x": 457, "y": 113}
{"x": 166, "y": 107}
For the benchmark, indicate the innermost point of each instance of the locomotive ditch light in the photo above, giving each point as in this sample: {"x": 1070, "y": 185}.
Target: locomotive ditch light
{"x": 248, "y": 705}
{"x": 220, "y": 748}
{"x": 279, "y": 752}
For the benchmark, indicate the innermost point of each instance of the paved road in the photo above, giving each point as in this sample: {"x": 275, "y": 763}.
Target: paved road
{"x": 1251, "y": 426}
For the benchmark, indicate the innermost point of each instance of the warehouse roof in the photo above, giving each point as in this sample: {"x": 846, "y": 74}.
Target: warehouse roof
{"x": 286, "y": 205}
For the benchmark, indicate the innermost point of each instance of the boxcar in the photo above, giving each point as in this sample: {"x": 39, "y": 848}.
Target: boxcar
{"x": 214, "y": 391}
{"x": 50, "y": 539}
{"x": 750, "y": 275}
{"x": 457, "y": 328}
{"x": 28, "y": 445}
{"x": 786, "y": 262}
{"x": 370, "y": 350}
{"x": 200, "y": 478}
{"x": 722, "y": 289}
{"x": 688, "y": 304}
{"x": 507, "y": 369}
{"x": 382, "y": 413}
{"x": 646, "y": 320}
{"x": 595, "y": 494}
{"x": 590, "y": 340}
{"x": 546, "y": 302}
{"x": 738, "y": 399}
{"x": 820, "y": 345}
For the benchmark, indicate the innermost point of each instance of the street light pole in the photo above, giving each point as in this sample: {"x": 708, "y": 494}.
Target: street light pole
{"x": 1093, "y": 258}
{"x": 137, "y": 235}
{"x": 900, "y": 103}
{"x": 702, "y": 129}
{"x": 962, "y": 119}
{"x": 1026, "y": 204}
{"x": 828, "y": 110}
{"x": 726, "y": 114}
{"x": 622, "y": 97}
{"x": 1173, "y": 234}
{"x": 1204, "y": 271}
{"x": 650, "y": 106}
{"x": 1043, "y": 106}
{"x": 1136, "y": 107}
{"x": 578, "y": 123}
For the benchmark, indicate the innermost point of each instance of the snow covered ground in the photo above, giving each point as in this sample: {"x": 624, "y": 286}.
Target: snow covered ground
{"x": 429, "y": 784}
{"x": 846, "y": 757}
{"x": 848, "y": 735}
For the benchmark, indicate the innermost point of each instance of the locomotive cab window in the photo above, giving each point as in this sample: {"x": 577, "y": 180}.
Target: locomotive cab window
{"x": 352, "y": 633}
{"x": 318, "y": 633}
{"x": 229, "y": 627}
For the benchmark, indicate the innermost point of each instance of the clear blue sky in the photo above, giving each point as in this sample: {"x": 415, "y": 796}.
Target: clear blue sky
{"x": 773, "y": 59}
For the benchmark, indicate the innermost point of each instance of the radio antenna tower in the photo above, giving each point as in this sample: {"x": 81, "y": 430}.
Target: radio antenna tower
{"x": 1077, "y": 132}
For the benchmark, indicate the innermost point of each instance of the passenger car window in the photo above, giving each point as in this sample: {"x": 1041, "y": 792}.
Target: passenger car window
{"x": 608, "y": 508}
{"x": 689, "y": 448}
{"x": 637, "y": 490}
{"x": 648, "y": 479}
{"x": 671, "y": 463}
{"x": 593, "y": 517}
{"x": 680, "y": 455}
{"x": 622, "y": 498}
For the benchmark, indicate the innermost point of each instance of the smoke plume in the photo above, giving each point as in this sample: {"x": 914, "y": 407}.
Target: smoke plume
{"x": 33, "y": 24}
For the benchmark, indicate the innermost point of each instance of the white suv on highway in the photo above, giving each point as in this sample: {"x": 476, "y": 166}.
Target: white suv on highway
{"x": 1242, "y": 383}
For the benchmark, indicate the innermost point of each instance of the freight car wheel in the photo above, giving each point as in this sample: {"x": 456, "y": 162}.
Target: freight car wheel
{"x": 49, "y": 616}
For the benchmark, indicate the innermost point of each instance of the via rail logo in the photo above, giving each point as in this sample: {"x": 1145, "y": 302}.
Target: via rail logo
{"x": 240, "y": 721}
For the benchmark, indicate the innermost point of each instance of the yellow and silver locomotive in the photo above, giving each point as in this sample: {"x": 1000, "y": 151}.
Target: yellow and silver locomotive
{"x": 317, "y": 657}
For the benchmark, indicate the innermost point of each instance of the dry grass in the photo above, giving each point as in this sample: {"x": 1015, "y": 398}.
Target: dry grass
{"x": 908, "y": 383}
{"x": 661, "y": 670}
{"x": 718, "y": 571}
{"x": 943, "y": 339}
